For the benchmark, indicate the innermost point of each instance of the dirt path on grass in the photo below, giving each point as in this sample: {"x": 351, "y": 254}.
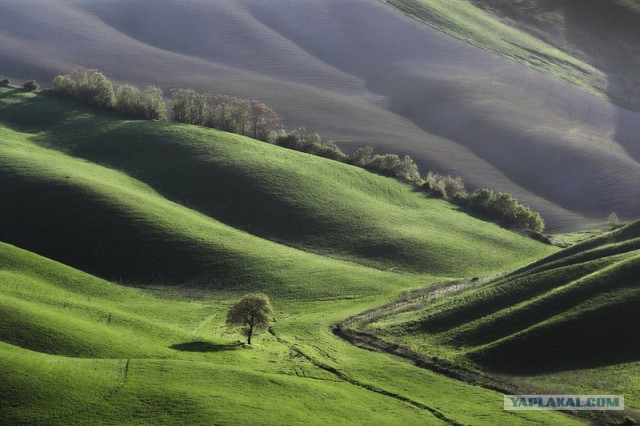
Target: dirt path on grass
{"x": 355, "y": 331}
{"x": 346, "y": 378}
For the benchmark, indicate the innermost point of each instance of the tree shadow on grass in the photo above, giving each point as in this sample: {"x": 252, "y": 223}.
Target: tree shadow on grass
{"x": 199, "y": 346}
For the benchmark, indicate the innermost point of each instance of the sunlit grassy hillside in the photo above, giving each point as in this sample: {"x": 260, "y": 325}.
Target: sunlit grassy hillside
{"x": 159, "y": 202}
{"x": 76, "y": 349}
{"x": 199, "y": 217}
{"x": 572, "y": 314}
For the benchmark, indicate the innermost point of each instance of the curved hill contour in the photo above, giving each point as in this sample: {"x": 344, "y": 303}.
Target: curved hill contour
{"x": 574, "y": 309}
{"x": 154, "y": 202}
{"x": 361, "y": 73}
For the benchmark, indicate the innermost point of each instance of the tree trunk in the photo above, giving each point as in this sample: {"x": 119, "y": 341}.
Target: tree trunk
{"x": 249, "y": 334}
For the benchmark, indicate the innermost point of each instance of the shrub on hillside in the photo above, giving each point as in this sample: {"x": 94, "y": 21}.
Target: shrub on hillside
{"x": 64, "y": 86}
{"x": 184, "y": 106}
{"x": 129, "y": 102}
{"x": 362, "y": 156}
{"x": 301, "y": 140}
{"x": 88, "y": 86}
{"x": 153, "y": 103}
{"x": 4, "y": 82}
{"x": 264, "y": 121}
{"x": 93, "y": 88}
{"x": 505, "y": 209}
{"x": 451, "y": 188}
{"x": 30, "y": 85}
{"x": 391, "y": 165}
{"x": 328, "y": 150}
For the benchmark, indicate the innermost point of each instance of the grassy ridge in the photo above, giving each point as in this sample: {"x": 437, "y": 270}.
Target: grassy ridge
{"x": 249, "y": 193}
{"x": 571, "y": 315}
{"x": 130, "y": 233}
{"x": 127, "y": 356}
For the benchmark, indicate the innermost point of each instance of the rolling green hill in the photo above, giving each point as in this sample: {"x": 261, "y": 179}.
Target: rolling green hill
{"x": 160, "y": 202}
{"x": 89, "y": 351}
{"x": 456, "y": 109}
{"x": 573, "y": 313}
{"x": 121, "y": 199}
{"x": 74, "y": 348}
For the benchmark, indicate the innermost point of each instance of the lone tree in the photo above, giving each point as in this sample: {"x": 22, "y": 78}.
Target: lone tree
{"x": 253, "y": 310}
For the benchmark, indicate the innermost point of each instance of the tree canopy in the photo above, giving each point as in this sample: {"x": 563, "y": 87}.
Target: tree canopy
{"x": 253, "y": 310}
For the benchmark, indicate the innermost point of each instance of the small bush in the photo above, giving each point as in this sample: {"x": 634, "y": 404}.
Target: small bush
{"x": 362, "y": 156}
{"x": 506, "y": 209}
{"x": 4, "y": 82}
{"x": 63, "y": 85}
{"x": 390, "y": 165}
{"x": 328, "y": 150}
{"x": 451, "y": 188}
{"x": 311, "y": 143}
{"x": 30, "y": 85}
{"x": 153, "y": 103}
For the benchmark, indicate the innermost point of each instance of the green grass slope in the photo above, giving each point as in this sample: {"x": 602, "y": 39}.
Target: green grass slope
{"x": 591, "y": 44}
{"x": 86, "y": 350}
{"x": 165, "y": 203}
{"x": 574, "y": 309}
{"x": 76, "y": 349}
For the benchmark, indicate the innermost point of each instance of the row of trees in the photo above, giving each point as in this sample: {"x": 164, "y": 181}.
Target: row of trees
{"x": 230, "y": 114}
{"x": 257, "y": 120}
{"x": 387, "y": 164}
{"x": 302, "y": 140}
{"x": 499, "y": 206}
{"x": 91, "y": 87}
{"x": 244, "y": 117}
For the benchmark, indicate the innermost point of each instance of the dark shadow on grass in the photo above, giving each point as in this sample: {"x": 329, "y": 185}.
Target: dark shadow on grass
{"x": 198, "y": 346}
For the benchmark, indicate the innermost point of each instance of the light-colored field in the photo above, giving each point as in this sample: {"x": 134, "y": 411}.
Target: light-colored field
{"x": 359, "y": 72}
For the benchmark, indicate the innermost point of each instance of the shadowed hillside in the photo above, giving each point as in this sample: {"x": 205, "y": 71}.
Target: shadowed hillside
{"x": 574, "y": 309}
{"x": 361, "y": 73}
{"x": 157, "y": 202}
